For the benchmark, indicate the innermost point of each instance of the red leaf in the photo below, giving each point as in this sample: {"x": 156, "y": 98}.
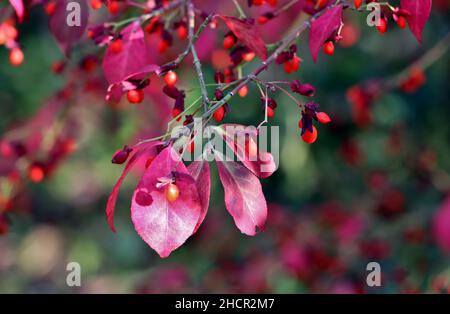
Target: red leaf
{"x": 144, "y": 151}
{"x": 244, "y": 198}
{"x": 19, "y": 8}
{"x": 263, "y": 165}
{"x": 68, "y": 35}
{"x": 322, "y": 28}
{"x": 134, "y": 56}
{"x": 116, "y": 90}
{"x": 248, "y": 34}
{"x": 199, "y": 170}
{"x": 165, "y": 225}
{"x": 420, "y": 12}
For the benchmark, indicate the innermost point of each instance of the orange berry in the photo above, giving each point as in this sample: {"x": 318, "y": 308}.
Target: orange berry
{"x": 176, "y": 112}
{"x": 401, "y": 22}
{"x": 182, "y": 32}
{"x": 219, "y": 114}
{"x": 36, "y": 173}
{"x": 328, "y": 48}
{"x": 249, "y": 56}
{"x": 16, "y": 56}
{"x": 322, "y": 117}
{"x": 229, "y": 41}
{"x": 262, "y": 19}
{"x": 113, "y": 7}
{"x": 135, "y": 96}
{"x": 163, "y": 46}
{"x": 50, "y": 7}
{"x": 310, "y": 137}
{"x": 170, "y": 78}
{"x": 172, "y": 192}
{"x": 243, "y": 91}
{"x": 96, "y": 4}
{"x": 116, "y": 46}
{"x": 382, "y": 26}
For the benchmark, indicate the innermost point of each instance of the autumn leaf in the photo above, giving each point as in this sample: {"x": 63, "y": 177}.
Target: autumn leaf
{"x": 68, "y": 35}
{"x": 165, "y": 225}
{"x": 244, "y": 198}
{"x": 248, "y": 33}
{"x": 19, "y": 8}
{"x": 322, "y": 28}
{"x": 133, "y": 57}
{"x": 420, "y": 12}
{"x": 199, "y": 170}
{"x": 144, "y": 151}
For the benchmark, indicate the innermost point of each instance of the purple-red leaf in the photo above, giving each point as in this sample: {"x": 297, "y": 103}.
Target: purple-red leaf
{"x": 19, "y": 8}
{"x": 116, "y": 90}
{"x": 262, "y": 165}
{"x": 165, "y": 225}
{"x": 248, "y": 33}
{"x": 65, "y": 25}
{"x": 145, "y": 151}
{"x": 322, "y": 28}
{"x": 133, "y": 57}
{"x": 420, "y": 12}
{"x": 199, "y": 170}
{"x": 244, "y": 198}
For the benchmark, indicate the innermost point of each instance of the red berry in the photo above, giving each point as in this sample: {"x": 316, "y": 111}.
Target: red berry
{"x": 249, "y": 56}
{"x": 310, "y": 137}
{"x": 170, "y": 78}
{"x": 328, "y": 48}
{"x": 176, "y": 112}
{"x": 322, "y": 117}
{"x": 270, "y": 112}
{"x": 163, "y": 46}
{"x": 172, "y": 192}
{"x": 116, "y": 46}
{"x": 401, "y": 22}
{"x": 262, "y": 19}
{"x": 135, "y": 96}
{"x": 16, "y": 56}
{"x": 357, "y": 3}
{"x": 113, "y": 7}
{"x": 50, "y": 8}
{"x": 96, "y": 4}
{"x": 182, "y": 32}
{"x": 257, "y": 2}
{"x": 219, "y": 114}
{"x": 36, "y": 173}
{"x": 382, "y": 26}
{"x": 229, "y": 41}
{"x": 292, "y": 65}
{"x": 272, "y": 2}
{"x": 300, "y": 123}
{"x": 243, "y": 91}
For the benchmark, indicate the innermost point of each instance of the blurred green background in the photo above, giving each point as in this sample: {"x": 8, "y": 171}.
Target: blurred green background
{"x": 356, "y": 195}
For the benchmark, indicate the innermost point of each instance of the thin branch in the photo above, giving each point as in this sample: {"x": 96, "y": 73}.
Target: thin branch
{"x": 197, "y": 64}
{"x": 239, "y": 8}
{"x": 431, "y": 56}
{"x": 145, "y": 17}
